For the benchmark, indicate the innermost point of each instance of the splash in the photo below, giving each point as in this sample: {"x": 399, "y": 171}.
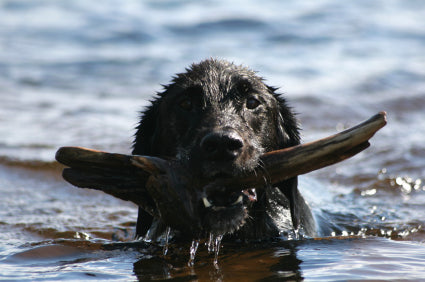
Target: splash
{"x": 214, "y": 242}
{"x": 217, "y": 243}
{"x": 193, "y": 249}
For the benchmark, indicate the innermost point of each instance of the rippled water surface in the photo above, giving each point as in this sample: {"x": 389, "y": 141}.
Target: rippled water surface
{"x": 76, "y": 73}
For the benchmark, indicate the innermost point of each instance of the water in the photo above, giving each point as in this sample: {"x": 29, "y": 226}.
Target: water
{"x": 192, "y": 253}
{"x": 78, "y": 73}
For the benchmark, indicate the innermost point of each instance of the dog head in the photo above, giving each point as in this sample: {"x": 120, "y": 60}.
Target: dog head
{"x": 218, "y": 119}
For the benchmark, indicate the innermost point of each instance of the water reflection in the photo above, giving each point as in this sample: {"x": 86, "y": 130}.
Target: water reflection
{"x": 261, "y": 261}
{"x": 332, "y": 258}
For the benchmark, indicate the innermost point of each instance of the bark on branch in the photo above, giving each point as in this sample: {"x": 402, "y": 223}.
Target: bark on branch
{"x": 125, "y": 176}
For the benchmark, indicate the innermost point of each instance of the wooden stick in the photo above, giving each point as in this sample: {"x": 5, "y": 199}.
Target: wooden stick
{"x": 114, "y": 174}
{"x": 286, "y": 163}
{"x": 125, "y": 176}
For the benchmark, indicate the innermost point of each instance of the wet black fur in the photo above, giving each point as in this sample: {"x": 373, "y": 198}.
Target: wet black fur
{"x": 218, "y": 97}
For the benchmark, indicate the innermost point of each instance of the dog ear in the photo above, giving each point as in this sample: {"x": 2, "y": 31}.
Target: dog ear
{"x": 144, "y": 144}
{"x": 287, "y": 125}
{"x": 287, "y": 136}
{"x": 147, "y": 131}
{"x": 300, "y": 212}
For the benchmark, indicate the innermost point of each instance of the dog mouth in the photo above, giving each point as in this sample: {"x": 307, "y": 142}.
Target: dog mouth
{"x": 217, "y": 201}
{"x": 226, "y": 212}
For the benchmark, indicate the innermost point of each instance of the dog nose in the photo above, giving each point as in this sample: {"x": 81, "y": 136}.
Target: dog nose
{"x": 222, "y": 145}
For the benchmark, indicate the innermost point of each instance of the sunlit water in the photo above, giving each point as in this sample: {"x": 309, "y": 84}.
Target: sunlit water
{"x": 78, "y": 73}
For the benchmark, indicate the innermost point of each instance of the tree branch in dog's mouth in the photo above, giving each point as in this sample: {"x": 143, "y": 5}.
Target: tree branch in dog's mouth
{"x": 167, "y": 189}
{"x": 283, "y": 164}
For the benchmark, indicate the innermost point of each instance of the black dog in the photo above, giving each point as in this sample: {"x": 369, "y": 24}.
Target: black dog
{"x": 218, "y": 118}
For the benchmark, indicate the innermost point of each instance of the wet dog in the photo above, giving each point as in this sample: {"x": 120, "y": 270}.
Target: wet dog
{"x": 218, "y": 118}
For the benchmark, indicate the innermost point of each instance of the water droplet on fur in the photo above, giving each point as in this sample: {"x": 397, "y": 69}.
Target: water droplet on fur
{"x": 210, "y": 244}
{"x": 167, "y": 236}
{"x": 193, "y": 249}
{"x": 296, "y": 234}
{"x": 217, "y": 243}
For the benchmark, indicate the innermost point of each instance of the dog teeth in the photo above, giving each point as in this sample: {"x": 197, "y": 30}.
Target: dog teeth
{"x": 238, "y": 200}
{"x": 207, "y": 203}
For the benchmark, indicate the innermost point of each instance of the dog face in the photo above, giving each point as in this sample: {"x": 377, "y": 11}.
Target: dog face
{"x": 218, "y": 119}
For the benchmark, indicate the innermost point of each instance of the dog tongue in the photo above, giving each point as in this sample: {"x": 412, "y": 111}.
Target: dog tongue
{"x": 251, "y": 194}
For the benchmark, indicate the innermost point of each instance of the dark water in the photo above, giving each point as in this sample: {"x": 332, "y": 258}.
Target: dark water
{"x": 77, "y": 73}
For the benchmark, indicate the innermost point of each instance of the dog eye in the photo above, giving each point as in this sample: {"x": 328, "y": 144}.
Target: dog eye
{"x": 186, "y": 104}
{"x": 252, "y": 103}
